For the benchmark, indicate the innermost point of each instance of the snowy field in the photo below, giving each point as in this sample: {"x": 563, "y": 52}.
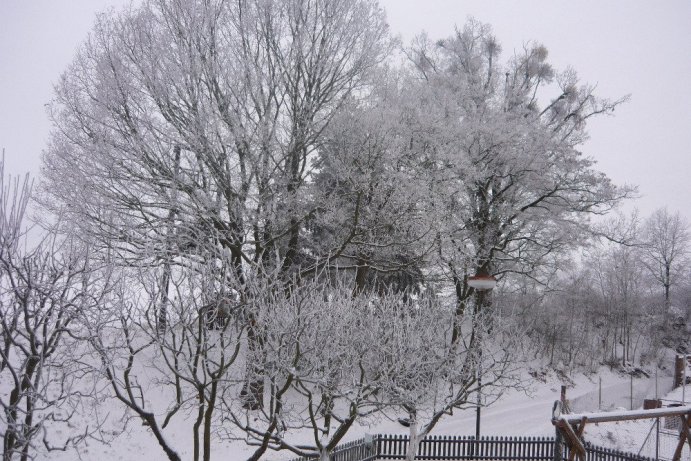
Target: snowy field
{"x": 515, "y": 414}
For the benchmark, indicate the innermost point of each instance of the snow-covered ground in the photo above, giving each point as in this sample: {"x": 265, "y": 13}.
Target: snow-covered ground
{"x": 641, "y": 436}
{"x": 516, "y": 413}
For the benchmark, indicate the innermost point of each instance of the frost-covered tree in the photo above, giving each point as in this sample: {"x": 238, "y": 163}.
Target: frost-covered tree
{"x": 426, "y": 377}
{"x": 321, "y": 359}
{"x": 177, "y": 376}
{"x": 666, "y": 246}
{"x": 612, "y": 304}
{"x": 44, "y": 289}
{"x": 331, "y": 361}
{"x": 512, "y": 184}
{"x": 335, "y": 360}
{"x": 182, "y": 126}
{"x": 606, "y": 307}
{"x": 373, "y": 191}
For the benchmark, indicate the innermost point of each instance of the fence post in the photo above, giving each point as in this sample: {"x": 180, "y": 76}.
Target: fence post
{"x": 558, "y": 436}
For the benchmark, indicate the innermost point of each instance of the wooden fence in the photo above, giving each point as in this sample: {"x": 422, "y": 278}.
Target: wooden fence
{"x": 458, "y": 448}
{"x": 357, "y": 450}
{"x": 440, "y": 448}
{"x": 595, "y": 453}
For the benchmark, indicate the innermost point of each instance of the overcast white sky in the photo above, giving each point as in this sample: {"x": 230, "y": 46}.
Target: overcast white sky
{"x": 640, "y": 47}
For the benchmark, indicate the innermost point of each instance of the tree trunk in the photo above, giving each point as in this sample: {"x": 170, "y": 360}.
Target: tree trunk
{"x": 324, "y": 455}
{"x": 414, "y": 438}
{"x": 252, "y": 393}
{"x": 461, "y": 299}
{"x": 10, "y": 441}
{"x": 162, "y": 314}
{"x": 360, "y": 276}
{"x": 211, "y": 404}
{"x": 197, "y": 424}
{"x": 151, "y": 422}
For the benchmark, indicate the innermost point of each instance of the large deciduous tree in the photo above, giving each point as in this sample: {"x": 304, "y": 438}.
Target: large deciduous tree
{"x": 514, "y": 187}
{"x": 373, "y": 194}
{"x": 184, "y": 124}
{"x": 187, "y": 128}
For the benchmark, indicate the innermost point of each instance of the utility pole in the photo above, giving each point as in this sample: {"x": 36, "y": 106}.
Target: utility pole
{"x": 483, "y": 283}
{"x": 631, "y": 393}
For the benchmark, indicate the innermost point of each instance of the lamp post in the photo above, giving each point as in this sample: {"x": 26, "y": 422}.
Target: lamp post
{"x": 482, "y": 283}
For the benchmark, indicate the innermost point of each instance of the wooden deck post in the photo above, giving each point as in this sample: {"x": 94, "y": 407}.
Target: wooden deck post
{"x": 684, "y": 436}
